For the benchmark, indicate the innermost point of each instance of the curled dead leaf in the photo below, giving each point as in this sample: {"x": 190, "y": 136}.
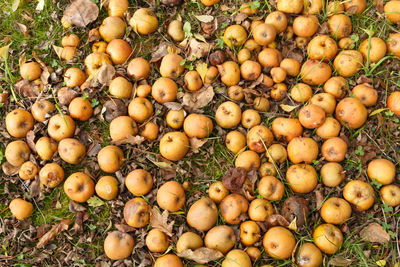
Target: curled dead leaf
{"x": 374, "y": 233}
{"x": 277, "y": 219}
{"x": 30, "y": 140}
{"x": 197, "y": 49}
{"x": 199, "y": 98}
{"x": 81, "y": 12}
{"x": 160, "y": 221}
{"x": 288, "y": 108}
{"x": 124, "y": 228}
{"x": 173, "y": 105}
{"x": 9, "y": 169}
{"x": 27, "y": 88}
{"x": 340, "y": 261}
{"x": 201, "y": 255}
{"x": 195, "y": 144}
{"x": 132, "y": 140}
{"x": 234, "y": 178}
{"x": 54, "y": 231}
{"x": 22, "y": 28}
{"x": 205, "y": 18}
{"x": 102, "y": 75}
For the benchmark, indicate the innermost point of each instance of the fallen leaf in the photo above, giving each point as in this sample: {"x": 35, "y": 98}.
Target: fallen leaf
{"x": 15, "y": 5}
{"x": 375, "y": 233}
{"x": 80, "y": 218}
{"x": 319, "y": 199}
{"x": 94, "y": 35}
{"x": 200, "y": 37}
{"x": 379, "y": 5}
{"x": 195, "y": 144}
{"x": 22, "y": 28}
{"x": 9, "y": 169}
{"x": 54, "y": 231}
{"x": 30, "y": 140}
{"x": 240, "y": 17}
{"x": 234, "y": 178}
{"x": 288, "y": 108}
{"x": 160, "y": 221}
{"x": 130, "y": 139}
{"x": 22, "y": 59}
{"x": 4, "y": 51}
{"x": 124, "y": 228}
{"x": 81, "y": 12}
{"x": 58, "y": 50}
{"x": 27, "y": 88}
{"x": 295, "y": 208}
{"x": 162, "y": 164}
{"x": 205, "y": 18}
{"x": 161, "y": 51}
{"x": 381, "y": 263}
{"x": 277, "y": 219}
{"x": 340, "y": 261}
{"x": 201, "y": 255}
{"x": 197, "y": 49}
{"x": 75, "y": 207}
{"x": 40, "y": 5}
{"x": 377, "y": 111}
{"x": 173, "y": 105}
{"x": 103, "y": 75}
{"x": 95, "y": 202}
{"x": 293, "y": 225}
{"x": 3, "y": 97}
{"x": 199, "y": 98}
{"x": 202, "y": 68}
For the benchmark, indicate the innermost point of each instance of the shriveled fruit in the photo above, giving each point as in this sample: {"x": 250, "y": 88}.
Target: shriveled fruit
{"x": 144, "y": 21}
{"x": 51, "y": 175}
{"x": 137, "y": 212}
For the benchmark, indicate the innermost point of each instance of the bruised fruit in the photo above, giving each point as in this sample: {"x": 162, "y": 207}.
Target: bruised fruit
{"x": 271, "y": 188}
{"x": 348, "y": 62}
{"x": 19, "y": 122}
{"x": 260, "y": 210}
{"x": 41, "y": 108}
{"x": 80, "y": 108}
{"x": 351, "y": 112}
{"x": 334, "y": 149}
{"x": 118, "y": 245}
{"x": 259, "y": 138}
{"x": 232, "y": 207}
{"x": 171, "y": 196}
{"x": 360, "y": 194}
{"x": 79, "y": 187}
{"x": 28, "y": 171}
{"x": 309, "y": 255}
{"x": 119, "y": 51}
{"x": 314, "y": 72}
{"x": 332, "y": 174}
{"x": 311, "y": 116}
{"x": 248, "y": 160}
{"x": 71, "y": 150}
{"x": 286, "y": 128}
{"x": 235, "y": 35}
{"x": 366, "y": 94}
{"x": 137, "y": 212}
{"x": 217, "y": 191}
{"x": 51, "y": 175}
{"x": 157, "y": 241}
{"x": 390, "y": 194}
{"x": 228, "y": 115}
{"x": 20, "y": 208}
{"x": 174, "y": 145}
{"x": 230, "y": 73}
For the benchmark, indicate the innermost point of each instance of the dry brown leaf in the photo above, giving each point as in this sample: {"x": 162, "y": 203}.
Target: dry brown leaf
{"x": 81, "y": 12}
{"x": 94, "y": 35}
{"x": 195, "y": 144}
{"x": 197, "y": 49}
{"x": 205, "y": 18}
{"x": 201, "y": 255}
{"x": 234, "y": 178}
{"x": 319, "y": 199}
{"x": 340, "y": 261}
{"x": 54, "y": 231}
{"x": 124, "y": 228}
{"x": 30, "y": 140}
{"x": 277, "y": 219}
{"x": 103, "y": 75}
{"x": 26, "y": 88}
{"x": 161, "y": 51}
{"x": 378, "y": 5}
{"x": 199, "y": 98}
{"x": 80, "y": 218}
{"x": 288, "y": 108}
{"x": 375, "y": 233}
{"x": 58, "y": 50}
{"x": 160, "y": 221}
{"x": 9, "y": 169}
{"x": 133, "y": 140}
{"x": 3, "y": 97}
{"x": 22, "y": 28}
{"x": 240, "y": 17}
{"x": 173, "y": 105}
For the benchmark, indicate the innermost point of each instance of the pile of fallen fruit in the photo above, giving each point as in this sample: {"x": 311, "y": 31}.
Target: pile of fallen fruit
{"x": 285, "y": 118}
